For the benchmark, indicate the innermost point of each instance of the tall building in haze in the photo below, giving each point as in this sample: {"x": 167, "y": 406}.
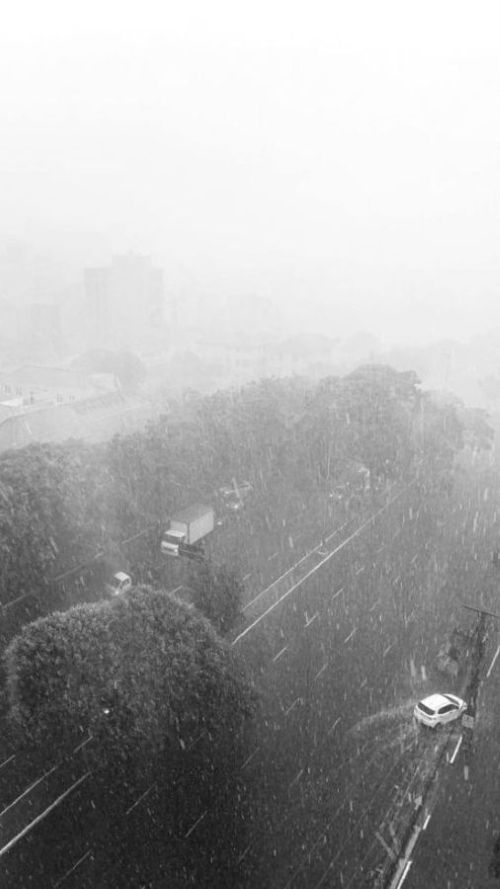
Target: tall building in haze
{"x": 124, "y": 304}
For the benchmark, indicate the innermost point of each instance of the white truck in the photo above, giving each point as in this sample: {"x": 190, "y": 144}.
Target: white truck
{"x": 186, "y": 530}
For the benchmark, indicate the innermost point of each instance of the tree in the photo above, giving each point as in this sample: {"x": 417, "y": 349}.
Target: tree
{"x": 217, "y": 592}
{"x": 153, "y": 662}
{"x": 163, "y": 703}
{"x": 128, "y": 368}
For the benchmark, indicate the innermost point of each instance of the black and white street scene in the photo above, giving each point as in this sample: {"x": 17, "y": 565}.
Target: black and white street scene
{"x": 249, "y": 474}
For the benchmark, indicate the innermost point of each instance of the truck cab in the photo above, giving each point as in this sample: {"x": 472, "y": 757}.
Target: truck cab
{"x": 172, "y": 540}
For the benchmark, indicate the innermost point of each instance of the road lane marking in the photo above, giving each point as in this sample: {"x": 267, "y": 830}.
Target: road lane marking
{"x": 249, "y": 758}
{"x": 195, "y": 825}
{"x": 323, "y": 668}
{"x": 404, "y": 874}
{"x": 83, "y": 744}
{"x": 291, "y": 707}
{"x": 298, "y": 776}
{"x": 457, "y": 748}
{"x": 139, "y": 799}
{"x": 70, "y": 871}
{"x": 424, "y": 826}
{"x": 310, "y": 573}
{"x": 28, "y": 790}
{"x": 43, "y": 815}
{"x": 277, "y": 656}
{"x": 330, "y": 730}
{"x": 350, "y": 636}
{"x": 497, "y": 652}
{"x": 6, "y": 761}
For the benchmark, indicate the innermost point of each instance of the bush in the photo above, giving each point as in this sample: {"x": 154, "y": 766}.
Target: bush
{"x": 217, "y": 592}
{"x": 143, "y": 671}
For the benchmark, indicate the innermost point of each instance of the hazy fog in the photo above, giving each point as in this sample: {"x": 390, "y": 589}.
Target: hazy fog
{"x": 338, "y": 162}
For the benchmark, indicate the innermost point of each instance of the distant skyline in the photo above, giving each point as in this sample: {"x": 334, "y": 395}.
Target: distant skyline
{"x": 339, "y": 161}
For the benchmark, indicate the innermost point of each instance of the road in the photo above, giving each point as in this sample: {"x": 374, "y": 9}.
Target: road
{"x": 337, "y": 647}
{"x": 455, "y": 837}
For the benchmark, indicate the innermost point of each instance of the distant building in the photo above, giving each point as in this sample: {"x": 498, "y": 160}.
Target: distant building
{"x": 123, "y": 304}
{"x": 43, "y": 329}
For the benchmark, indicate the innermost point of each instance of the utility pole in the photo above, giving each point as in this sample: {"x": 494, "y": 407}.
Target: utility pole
{"x": 479, "y": 637}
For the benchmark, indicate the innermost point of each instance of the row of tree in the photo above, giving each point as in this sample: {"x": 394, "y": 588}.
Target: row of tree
{"x": 62, "y": 506}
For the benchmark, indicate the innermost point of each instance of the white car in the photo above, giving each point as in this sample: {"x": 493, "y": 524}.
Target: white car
{"x": 439, "y": 709}
{"x": 120, "y": 583}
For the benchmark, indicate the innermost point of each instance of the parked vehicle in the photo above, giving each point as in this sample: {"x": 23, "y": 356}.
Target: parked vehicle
{"x": 186, "y": 531}
{"x": 234, "y": 495}
{"x": 439, "y": 709}
{"x": 120, "y": 583}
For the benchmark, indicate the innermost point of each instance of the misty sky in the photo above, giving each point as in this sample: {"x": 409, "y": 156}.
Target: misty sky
{"x": 339, "y": 160}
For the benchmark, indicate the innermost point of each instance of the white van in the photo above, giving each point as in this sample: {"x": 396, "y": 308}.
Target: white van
{"x": 120, "y": 583}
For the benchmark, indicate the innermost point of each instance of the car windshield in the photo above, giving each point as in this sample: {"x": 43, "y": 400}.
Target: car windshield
{"x": 452, "y": 700}
{"x": 425, "y": 708}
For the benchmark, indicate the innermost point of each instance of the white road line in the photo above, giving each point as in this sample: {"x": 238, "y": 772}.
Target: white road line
{"x": 70, "y": 871}
{"x": 341, "y": 590}
{"x": 139, "y": 799}
{"x": 195, "y": 825}
{"x": 43, "y": 815}
{"x": 497, "y": 652}
{"x": 296, "y": 701}
{"x": 330, "y": 730}
{"x": 292, "y": 568}
{"x": 424, "y": 826}
{"x": 404, "y": 874}
{"x": 83, "y": 744}
{"x": 249, "y": 758}
{"x": 457, "y": 748}
{"x": 28, "y": 790}
{"x": 350, "y": 636}
{"x": 6, "y": 761}
{"x": 316, "y": 568}
{"x": 247, "y": 850}
{"x": 323, "y": 668}
{"x": 277, "y": 656}
{"x": 298, "y": 776}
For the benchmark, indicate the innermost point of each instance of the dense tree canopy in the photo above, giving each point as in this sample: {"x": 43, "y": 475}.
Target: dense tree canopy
{"x": 128, "y": 368}
{"x": 65, "y": 506}
{"x": 144, "y": 670}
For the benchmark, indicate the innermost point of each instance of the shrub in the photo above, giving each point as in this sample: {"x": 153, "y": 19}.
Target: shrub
{"x": 217, "y": 592}
{"x": 143, "y": 671}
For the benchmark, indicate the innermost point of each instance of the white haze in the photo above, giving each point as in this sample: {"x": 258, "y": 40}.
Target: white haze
{"x": 338, "y": 163}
